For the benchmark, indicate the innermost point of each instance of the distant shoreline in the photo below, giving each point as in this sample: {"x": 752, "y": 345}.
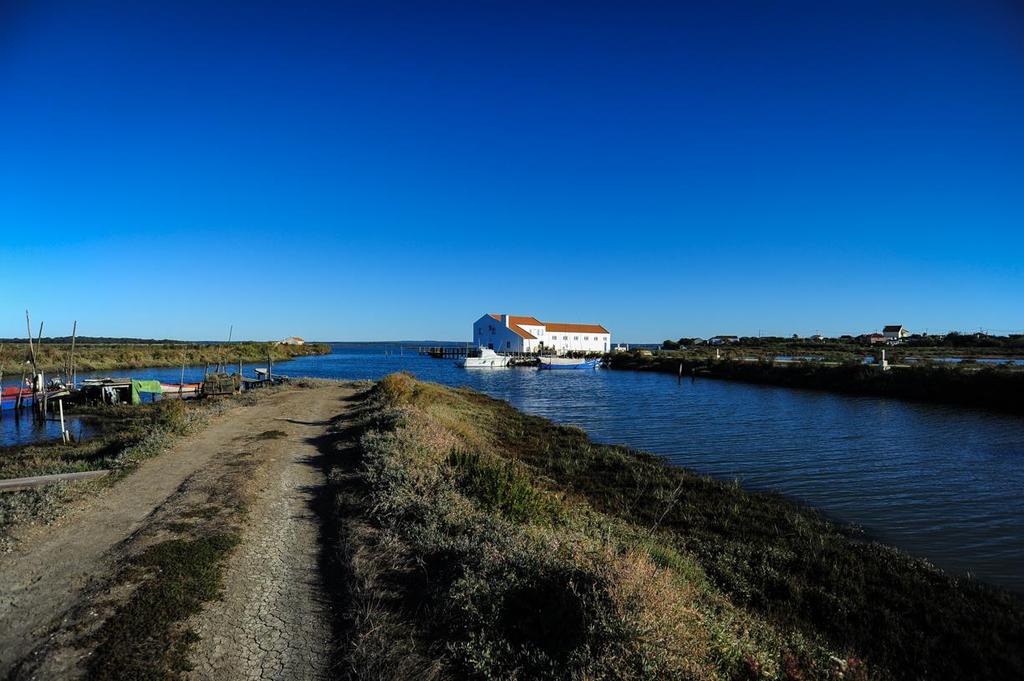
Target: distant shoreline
{"x": 52, "y": 357}
{"x": 988, "y": 387}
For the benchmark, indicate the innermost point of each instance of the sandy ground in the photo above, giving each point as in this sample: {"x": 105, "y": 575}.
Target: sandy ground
{"x": 274, "y": 620}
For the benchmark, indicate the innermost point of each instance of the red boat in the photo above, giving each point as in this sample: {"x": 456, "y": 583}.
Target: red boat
{"x": 9, "y": 398}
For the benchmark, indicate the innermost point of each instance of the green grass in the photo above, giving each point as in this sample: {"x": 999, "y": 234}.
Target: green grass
{"x": 142, "y": 640}
{"x": 521, "y": 549}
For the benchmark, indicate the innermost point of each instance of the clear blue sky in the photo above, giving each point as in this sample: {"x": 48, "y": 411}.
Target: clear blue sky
{"x": 379, "y": 171}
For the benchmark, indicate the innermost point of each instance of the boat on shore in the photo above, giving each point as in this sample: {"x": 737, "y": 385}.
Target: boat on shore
{"x": 184, "y": 391}
{"x": 568, "y": 363}
{"x": 485, "y": 359}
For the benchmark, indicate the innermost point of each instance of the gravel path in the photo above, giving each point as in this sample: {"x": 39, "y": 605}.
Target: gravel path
{"x": 53, "y": 568}
{"x": 274, "y": 621}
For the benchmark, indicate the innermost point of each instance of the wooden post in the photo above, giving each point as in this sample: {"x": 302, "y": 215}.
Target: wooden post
{"x": 181, "y": 382}
{"x": 31, "y": 348}
{"x": 63, "y": 430}
{"x": 71, "y": 357}
{"x": 21, "y": 387}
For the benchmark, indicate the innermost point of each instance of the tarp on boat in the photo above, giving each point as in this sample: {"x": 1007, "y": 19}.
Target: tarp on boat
{"x": 139, "y": 387}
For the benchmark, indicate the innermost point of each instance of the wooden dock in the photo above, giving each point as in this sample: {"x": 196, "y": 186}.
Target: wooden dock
{"x": 445, "y": 351}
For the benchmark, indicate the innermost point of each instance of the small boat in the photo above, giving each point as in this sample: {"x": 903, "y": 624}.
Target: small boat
{"x": 486, "y": 359}
{"x": 9, "y": 398}
{"x": 568, "y": 363}
{"x": 184, "y": 390}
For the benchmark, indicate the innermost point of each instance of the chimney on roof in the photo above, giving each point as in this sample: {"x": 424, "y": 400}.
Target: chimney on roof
{"x": 504, "y": 319}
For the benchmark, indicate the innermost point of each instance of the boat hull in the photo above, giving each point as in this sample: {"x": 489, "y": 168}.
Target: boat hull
{"x": 9, "y": 399}
{"x": 563, "y": 365}
{"x": 486, "y": 359}
{"x": 481, "y": 363}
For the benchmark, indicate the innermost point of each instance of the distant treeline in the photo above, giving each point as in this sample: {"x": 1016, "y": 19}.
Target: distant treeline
{"x": 106, "y": 356}
{"x": 988, "y": 387}
{"x": 977, "y": 342}
{"x": 111, "y": 340}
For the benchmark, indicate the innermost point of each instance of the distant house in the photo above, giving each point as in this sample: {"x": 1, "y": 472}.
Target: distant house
{"x": 895, "y": 332}
{"x": 723, "y": 340}
{"x": 510, "y": 333}
{"x": 871, "y": 338}
{"x": 818, "y": 337}
{"x": 292, "y": 340}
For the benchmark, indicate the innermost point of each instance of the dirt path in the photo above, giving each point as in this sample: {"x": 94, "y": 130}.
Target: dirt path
{"x": 52, "y": 579}
{"x": 274, "y": 621}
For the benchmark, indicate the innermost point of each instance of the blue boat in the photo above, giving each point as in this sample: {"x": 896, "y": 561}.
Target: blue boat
{"x": 568, "y": 363}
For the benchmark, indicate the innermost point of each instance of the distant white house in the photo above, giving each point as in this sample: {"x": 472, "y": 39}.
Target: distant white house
{"x": 723, "y": 340}
{"x": 895, "y": 332}
{"x": 510, "y": 333}
{"x": 292, "y": 340}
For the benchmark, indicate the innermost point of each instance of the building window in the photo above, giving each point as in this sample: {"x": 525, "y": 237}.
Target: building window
{"x": 575, "y": 337}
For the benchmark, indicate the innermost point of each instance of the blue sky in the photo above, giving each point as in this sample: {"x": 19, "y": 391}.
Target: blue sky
{"x": 385, "y": 171}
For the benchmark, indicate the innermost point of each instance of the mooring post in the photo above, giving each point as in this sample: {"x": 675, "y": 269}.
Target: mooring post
{"x": 63, "y": 430}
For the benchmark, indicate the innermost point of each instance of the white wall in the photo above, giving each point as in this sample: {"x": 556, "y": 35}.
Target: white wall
{"x": 578, "y": 341}
{"x": 488, "y": 332}
{"x": 492, "y": 333}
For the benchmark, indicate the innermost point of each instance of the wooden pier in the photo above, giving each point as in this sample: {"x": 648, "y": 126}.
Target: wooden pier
{"x": 445, "y": 351}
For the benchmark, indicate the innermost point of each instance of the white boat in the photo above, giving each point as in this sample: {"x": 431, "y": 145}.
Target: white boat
{"x": 568, "y": 363}
{"x": 486, "y": 359}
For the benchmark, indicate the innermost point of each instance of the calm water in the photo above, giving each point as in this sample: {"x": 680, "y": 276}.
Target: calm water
{"x": 940, "y": 482}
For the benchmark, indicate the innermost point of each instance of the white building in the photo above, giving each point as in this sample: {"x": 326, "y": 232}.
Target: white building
{"x": 895, "y": 332}
{"x": 509, "y": 333}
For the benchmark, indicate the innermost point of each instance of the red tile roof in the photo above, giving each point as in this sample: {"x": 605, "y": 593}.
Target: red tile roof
{"x": 528, "y": 321}
{"x": 575, "y": 328}
{"x": 515, "y": 322}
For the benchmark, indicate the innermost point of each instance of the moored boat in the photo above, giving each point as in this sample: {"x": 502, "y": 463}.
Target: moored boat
{"x": 486, "y": 359}
{"x": 9, "y": 398}
{"x": 568, "y": 363}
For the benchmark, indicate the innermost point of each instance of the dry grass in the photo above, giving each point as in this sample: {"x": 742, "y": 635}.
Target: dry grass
{"x": 507, "y": 547}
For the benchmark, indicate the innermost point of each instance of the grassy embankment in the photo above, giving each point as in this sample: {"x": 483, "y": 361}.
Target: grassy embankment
{"x": 486, "y": 543}
{"x": 104, "y": 357}
{"x": 990, "y": 387}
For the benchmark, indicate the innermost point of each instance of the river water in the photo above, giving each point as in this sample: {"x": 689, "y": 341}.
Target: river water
{"x": 944, "y": 483}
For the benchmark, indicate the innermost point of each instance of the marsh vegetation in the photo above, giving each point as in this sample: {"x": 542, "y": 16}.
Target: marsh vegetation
{"x": 499, "y": 545}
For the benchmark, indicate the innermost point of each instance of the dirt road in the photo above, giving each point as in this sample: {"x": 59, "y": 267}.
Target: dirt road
{"x": 274, "y": 620}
